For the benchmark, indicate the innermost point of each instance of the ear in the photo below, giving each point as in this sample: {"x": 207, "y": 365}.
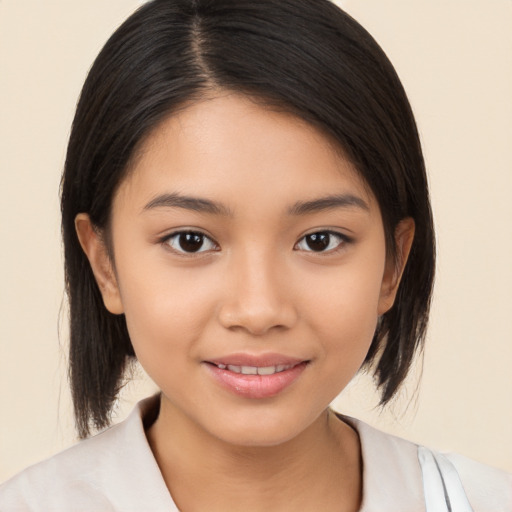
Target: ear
{"x": 101, "y": 264}
{"x": 404, "y": 236}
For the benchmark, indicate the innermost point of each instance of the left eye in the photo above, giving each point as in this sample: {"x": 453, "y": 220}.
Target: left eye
{"x": 321, "y": 241}
{"x": 190, "y": 242}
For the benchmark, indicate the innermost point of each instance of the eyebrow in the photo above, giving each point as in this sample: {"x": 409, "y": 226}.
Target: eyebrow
{"x": 328, "y": 203}
{"x": 175, "y": 200}
{"x": 197, "y": 204}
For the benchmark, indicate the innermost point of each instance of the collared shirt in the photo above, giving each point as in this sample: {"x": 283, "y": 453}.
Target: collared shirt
{"x": 116, "y": 471}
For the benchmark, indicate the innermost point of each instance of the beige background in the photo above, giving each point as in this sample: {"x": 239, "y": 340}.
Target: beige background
{"x": 455, "y": 59}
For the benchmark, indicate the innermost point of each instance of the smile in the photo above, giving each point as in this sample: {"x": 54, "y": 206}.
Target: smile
{"x": 255, "y": 370}
{"x": 255, "y": 377}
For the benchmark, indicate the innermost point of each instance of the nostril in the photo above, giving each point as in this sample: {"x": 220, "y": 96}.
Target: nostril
{"x": 256, "y": 320}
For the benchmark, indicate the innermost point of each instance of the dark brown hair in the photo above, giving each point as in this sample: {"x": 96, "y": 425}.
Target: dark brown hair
{"x": 307, "y": 57}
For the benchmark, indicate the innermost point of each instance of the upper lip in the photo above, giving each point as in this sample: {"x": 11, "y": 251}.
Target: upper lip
{"x": 257, "y": 360}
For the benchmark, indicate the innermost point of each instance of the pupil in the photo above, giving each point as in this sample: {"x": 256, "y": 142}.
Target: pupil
{"x": 318, "y": 241}
{"x": 191, "y": 242}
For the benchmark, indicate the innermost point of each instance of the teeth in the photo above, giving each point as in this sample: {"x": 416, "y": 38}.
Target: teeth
{"x": 255, "y": 370}
{"x": 267, "y": 370}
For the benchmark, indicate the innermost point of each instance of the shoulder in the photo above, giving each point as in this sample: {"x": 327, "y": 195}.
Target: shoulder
{"x": 391, "y": 467}
{"x": 487, "y": 488}
{"x": 75, "y": 471}
{"x": 114, "y": 470}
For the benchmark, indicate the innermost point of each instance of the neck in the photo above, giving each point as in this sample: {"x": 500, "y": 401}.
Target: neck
{"x": 317, "y": 470}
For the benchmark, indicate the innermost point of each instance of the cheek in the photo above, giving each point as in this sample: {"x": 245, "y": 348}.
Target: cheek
{"x": 166, "y": 310}
{"x": 341, "y": 321}
{"x": 343, "y": 312}
{"x": 347, "y": 298}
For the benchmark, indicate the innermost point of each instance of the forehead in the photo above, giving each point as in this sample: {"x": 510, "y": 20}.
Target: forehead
{"x": 237, "y": 151}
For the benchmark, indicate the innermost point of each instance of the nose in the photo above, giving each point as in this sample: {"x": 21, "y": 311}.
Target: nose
{"x": 257, "y": 298}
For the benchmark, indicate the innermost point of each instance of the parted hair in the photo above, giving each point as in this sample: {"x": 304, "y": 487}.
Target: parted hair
{"x": 305, "y": 57}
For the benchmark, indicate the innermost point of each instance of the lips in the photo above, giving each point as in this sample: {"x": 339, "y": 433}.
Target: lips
{"x": 255, "y": 377}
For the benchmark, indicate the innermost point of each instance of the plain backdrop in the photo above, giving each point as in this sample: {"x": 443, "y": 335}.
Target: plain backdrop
{"x": 455, "y": 60}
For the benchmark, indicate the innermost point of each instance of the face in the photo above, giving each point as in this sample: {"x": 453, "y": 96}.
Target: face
{"x": 250, "y": 263}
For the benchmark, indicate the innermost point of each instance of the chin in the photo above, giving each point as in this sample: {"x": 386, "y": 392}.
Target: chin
{"x": 261, "y": 430}
{"x": 259, "y": 439}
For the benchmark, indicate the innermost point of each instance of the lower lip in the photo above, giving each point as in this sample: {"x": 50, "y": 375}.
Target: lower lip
{"x": 256, "y": 386}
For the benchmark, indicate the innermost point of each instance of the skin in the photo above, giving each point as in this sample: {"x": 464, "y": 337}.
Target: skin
{"x": 257, "y": 287}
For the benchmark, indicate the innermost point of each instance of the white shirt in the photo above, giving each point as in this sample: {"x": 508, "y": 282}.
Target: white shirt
{"x": 116, "y": 471}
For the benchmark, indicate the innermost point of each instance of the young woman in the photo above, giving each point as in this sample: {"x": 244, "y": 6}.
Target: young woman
{"x": 245, "y": 211}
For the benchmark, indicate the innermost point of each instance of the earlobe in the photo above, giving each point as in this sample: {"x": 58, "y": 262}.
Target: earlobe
{"x": 101, "y": 264}
{"x": 404, "y": 236}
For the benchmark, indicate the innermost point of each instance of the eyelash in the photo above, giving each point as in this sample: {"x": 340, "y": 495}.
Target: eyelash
{"x": 342, "y": 241}
{"x": 167, "y": 240}
{"x": 324, "y": 237}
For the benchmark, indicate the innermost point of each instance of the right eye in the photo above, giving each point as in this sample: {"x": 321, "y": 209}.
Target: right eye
{"x": 190, "y": 242}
